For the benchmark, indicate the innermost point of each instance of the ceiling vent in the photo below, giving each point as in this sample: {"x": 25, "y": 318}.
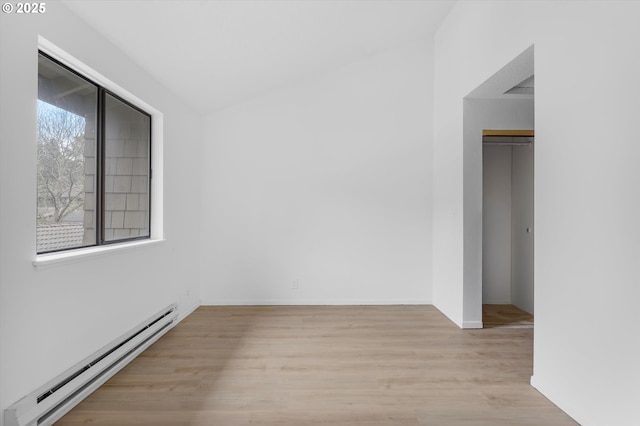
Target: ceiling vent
{"x": 525, "y": 87}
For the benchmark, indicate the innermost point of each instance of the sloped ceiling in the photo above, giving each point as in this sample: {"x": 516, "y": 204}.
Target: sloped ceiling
{"x": 217, "y": 53}
{"x": 515, "y": 80}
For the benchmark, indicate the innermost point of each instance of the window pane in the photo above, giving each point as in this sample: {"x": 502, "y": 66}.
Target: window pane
{"x": 66, "y": 159}
{"x": 126, "y": 190}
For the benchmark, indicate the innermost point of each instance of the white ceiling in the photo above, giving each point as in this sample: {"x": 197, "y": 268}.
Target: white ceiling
{"x": 217, "y": 53}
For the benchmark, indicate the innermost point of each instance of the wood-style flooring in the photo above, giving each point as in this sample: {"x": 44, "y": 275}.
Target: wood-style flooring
{"x": 325, "y": 365}
{"x": 505, "y": 316}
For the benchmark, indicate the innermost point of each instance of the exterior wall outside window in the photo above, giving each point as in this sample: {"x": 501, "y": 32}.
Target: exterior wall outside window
{"x": 127, "y": 135}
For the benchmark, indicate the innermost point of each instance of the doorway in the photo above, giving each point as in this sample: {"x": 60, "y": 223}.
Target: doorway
{"x": 503, "y": 101}
{"x": 507, "y": 225}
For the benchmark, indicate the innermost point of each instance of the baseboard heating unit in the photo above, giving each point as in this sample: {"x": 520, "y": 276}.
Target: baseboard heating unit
{"x": 54, "y": 399}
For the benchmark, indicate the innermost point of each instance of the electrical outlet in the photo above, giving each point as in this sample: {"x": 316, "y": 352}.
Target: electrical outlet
{"x": 295, "y": 284}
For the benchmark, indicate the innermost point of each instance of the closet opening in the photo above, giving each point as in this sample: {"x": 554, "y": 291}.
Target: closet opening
{"x": 508, "y": 232}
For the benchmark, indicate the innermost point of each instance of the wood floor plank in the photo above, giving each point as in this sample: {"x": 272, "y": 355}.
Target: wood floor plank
{"x": 505, "y": 316}
{"x": 325, "y": 365}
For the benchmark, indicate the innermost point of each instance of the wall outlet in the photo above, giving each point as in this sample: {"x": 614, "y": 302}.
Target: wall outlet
{"x": 295, "y": 284}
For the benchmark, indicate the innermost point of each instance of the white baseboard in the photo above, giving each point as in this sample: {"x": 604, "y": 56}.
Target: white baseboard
{"x": 463, "y": 324}
{"x": 307, "y": 302}
{"x": 496, "y": 302}
{"x": 471, "y": 324}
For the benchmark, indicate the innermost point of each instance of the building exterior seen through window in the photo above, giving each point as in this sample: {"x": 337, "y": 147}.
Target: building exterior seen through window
{"x": 93, "y": 174}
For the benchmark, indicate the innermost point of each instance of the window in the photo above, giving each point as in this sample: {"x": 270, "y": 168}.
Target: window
{"x": 94, "y": 157}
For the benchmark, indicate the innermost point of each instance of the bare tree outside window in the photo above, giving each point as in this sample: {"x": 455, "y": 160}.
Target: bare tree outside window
{"x": 66, "y": 139}
{"x": 61, "y": 174}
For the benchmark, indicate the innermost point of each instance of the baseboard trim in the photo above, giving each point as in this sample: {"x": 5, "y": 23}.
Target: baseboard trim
{"x": 496, "y": 302}
{"x": 311, "y": 302}
{"x": 471, "y": 324}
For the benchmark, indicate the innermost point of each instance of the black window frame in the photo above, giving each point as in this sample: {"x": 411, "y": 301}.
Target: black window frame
{"x": 100, "y": 162}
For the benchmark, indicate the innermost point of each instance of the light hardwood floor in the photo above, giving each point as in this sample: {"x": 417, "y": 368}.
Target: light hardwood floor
{"x": 505, "y": 316}
{"x": 329, "y": 365}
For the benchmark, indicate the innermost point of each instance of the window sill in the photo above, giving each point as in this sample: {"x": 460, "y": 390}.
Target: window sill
{"x": 45, "y": 261}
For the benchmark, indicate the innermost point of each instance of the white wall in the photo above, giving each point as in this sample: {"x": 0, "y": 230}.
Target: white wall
{"x": 586, "y": 178}
{"x": 52, "y": 318}
{"x": 327, "y": 182}
{"x": 496, "y": 224}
